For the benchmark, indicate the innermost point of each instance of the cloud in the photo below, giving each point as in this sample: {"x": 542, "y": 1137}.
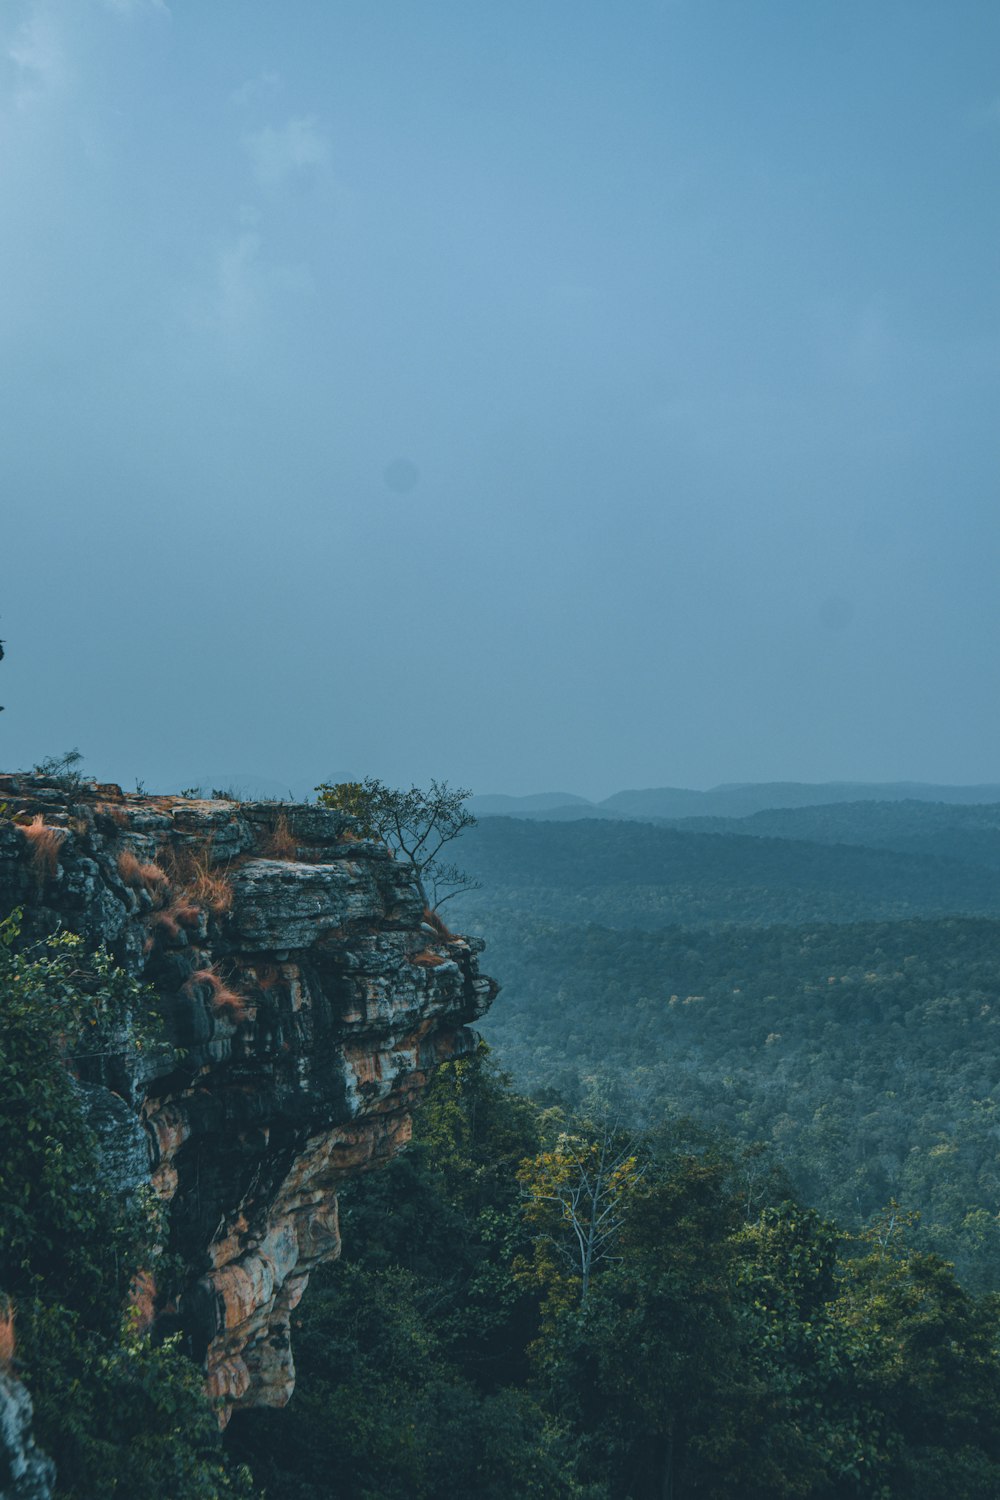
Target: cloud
{"x": 39, "y": 59}
{"x": 246, "y": 295}
{"x": 263, "y": 86}
{"x": 295, "y": 149}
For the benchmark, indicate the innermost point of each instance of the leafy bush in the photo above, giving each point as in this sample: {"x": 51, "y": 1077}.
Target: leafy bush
{"x": 120, "y": 1414}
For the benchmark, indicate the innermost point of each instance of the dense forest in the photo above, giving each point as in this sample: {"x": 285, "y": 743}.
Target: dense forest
{"x": 866, "y": 1056}
{"x": 719, "y": 1340}
{"x": 637, "y": 875}
{"x": 810, "y": 980}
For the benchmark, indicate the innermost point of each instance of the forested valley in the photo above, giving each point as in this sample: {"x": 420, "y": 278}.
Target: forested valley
{"x": 763, "y": 1053}
{"x": 712, "y": 1212}
{"x": 829, "y": 997}
{"x": 722, "y": 1339}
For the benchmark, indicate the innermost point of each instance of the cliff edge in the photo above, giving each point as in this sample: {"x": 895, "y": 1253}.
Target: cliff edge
{"x": 305, "y": 995}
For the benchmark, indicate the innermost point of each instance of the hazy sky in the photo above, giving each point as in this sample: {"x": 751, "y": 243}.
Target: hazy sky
{"x": 529, "y": 393}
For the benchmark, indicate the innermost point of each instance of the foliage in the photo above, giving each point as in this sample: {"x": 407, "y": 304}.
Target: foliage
{"x": 734, "y": 1342}
{"x": 865, "y": 1056}
{"x": 62, "y": 769}
{"x": 58, "y": 1227}
{"x": 577, "y": 1195}
{"x": 448, "y": 1211}
{"x": 379, "y": 1414}
{"x": 928, "y": 1364}
{"x": 408, "y": 1350}
{"x": 119, "y": 1415}
{"x": 418, "y": 824}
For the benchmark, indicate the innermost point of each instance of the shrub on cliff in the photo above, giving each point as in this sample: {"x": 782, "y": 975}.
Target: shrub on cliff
{"x": 59, "y": 1229}
{"x": 417, "y": 824}
{"x": 119, "y": 1415}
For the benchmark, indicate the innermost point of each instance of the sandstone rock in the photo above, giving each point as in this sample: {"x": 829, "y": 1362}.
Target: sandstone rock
{"x": 306, "y": 1002}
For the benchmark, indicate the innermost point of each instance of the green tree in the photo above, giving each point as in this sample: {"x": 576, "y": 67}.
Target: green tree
{"x": 931, "y": 1364}
{"x": 379, "y": 1413}
{"x": 645, "y": 1373}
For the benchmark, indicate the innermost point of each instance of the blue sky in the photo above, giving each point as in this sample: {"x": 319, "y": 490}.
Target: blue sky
{"x": 531, "y": 394}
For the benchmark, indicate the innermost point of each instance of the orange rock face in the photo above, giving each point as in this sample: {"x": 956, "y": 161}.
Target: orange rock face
{"x": 306, "y": 1001}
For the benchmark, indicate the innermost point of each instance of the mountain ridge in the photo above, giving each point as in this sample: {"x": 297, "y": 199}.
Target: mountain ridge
{"x": 728, "y": 799}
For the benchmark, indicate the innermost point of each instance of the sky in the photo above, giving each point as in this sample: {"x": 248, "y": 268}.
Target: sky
{"x": 536, "y": 395}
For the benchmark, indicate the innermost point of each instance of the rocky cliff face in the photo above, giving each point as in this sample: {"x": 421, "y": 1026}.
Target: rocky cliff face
{"x": 305, "y": 997}
{"x": 25, "y": 1472}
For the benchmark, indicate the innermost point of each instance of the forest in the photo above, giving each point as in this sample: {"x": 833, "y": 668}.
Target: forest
{"x": 812, "y": 980}
{"x": 632, "y": 874}
{"x": 713, "y": 1212}
{"x": 729, "y": 1341}
{"x": 533, "y": 1300}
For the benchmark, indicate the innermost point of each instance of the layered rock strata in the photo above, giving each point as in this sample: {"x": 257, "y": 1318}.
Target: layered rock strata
{"x": 305, "y": 997}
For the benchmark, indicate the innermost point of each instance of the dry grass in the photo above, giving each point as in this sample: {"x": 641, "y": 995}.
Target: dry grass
{"x": 427, "y": 959}
{"x": 167, "y": 922}
{"x": 232, "y": 1001}
{"x": 211, "y": 890}
{"x": 434, "y": 919}
{"x": 129, "y": 867}
{"x": 8, "y": 1338}
{"x": 144, "y": 876}
{"x": 222, "y": 996}
{"x": 186, "y": 913}
{"x": 202, "y": 886}
{"x": 45, "y": 844}
{"x": 164, "y": 925}
{"x": 156, "y": 881}
{"x": 279, "y": 843}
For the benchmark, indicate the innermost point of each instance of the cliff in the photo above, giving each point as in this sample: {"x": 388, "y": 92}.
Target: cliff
{"x": 304, "y": 996}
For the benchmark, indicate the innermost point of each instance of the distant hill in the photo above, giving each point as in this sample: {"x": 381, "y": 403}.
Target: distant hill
{"x": 634, "y": 874}
{"x": 970, "y": 834}
{"x": 740, "y": 801}
{"x": 730, "y": 800}
{"x": 497, "y": 804}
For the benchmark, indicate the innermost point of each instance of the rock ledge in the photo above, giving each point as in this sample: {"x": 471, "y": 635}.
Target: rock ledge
{"x": 306, "y": 999}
